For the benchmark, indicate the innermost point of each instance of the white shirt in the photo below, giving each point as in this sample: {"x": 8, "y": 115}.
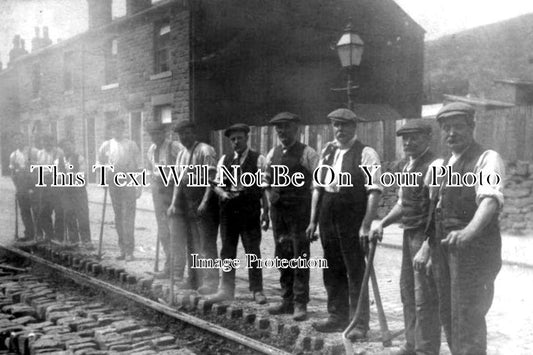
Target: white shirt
{"x": 368, "y": 157}
{"x": 490, "y": 162}
{"x": 261, "y": 165}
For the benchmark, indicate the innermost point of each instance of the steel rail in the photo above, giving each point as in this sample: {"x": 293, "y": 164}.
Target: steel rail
{"x": 184, "y": 317}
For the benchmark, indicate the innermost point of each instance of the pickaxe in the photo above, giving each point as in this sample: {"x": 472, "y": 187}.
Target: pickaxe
{"x": 386, "y": 335}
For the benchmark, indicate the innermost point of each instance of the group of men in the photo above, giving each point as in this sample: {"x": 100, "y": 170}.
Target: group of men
{"x": 51, "y": 213}
{"x": 451, "y": 240}
{"x": 451, "y": 245}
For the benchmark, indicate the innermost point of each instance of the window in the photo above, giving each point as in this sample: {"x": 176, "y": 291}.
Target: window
{"x": 36, "y": 80}
{"x": 68, "y": 70}
{"x": 162, "y": 48}
{"x": 111, "y": 73}
{"x": 163, "y": 114}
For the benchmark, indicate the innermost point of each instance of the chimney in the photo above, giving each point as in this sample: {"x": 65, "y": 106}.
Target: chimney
{"x": 135, "y": 6}
{"x": 36, "y": 43}
{"x": 46, "y": 41}
{"x": 100, "y": 13}
{"x": 18, "y": 49}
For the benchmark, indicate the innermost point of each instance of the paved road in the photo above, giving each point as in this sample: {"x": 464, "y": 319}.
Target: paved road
{"x": 509, "y": 321}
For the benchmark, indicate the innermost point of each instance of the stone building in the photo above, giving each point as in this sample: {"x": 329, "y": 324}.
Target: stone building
{"x": 215, "y": 62}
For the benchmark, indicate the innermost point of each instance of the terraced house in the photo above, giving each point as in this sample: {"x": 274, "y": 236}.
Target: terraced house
{"x": 215, "y": 62}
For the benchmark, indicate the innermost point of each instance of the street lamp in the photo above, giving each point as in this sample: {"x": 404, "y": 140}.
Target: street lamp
{"x": 350, "y": 50}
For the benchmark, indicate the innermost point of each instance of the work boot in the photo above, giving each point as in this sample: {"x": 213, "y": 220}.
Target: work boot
{"x": 285, "y": 307}
{"x": 300, "y": 312}
{"x": 221, "y": 296}
{"x": 330, "y": 325}
{"x": 357, "y": 334}
{"x": 404, "y": 350}
{"x": 259, "y": 297}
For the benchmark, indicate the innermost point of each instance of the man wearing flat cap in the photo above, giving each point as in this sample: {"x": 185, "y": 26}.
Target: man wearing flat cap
{"x": 123, "y": 154}
{"x": 289, "y": 210}
{"x": 163, "y": 151}
{"x": 344, "y": 215}
{"x": 417, "y": 286}
{"x": 466, "y": 245}
{"x": 240, "y": 212}
{"x": 193, "y": 209}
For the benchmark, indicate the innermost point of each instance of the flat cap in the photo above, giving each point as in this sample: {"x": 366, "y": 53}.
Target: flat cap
{"x": 183, "y": 124}
{"x": 284, "y": 117}
{"x": 237, "y": 127}
{"x": 456, "y": 109}
{"x": 415, "y": 126}
{"x": 343, "y": 115}
{"x": 153, "y": 127}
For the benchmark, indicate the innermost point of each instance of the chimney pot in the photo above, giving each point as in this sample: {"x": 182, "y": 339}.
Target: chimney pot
{"x": 100, "y": 12}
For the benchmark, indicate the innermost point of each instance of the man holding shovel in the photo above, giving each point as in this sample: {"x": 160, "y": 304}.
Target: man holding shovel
{"x": 417, "y": 286}
{"x": 345, "y": 216}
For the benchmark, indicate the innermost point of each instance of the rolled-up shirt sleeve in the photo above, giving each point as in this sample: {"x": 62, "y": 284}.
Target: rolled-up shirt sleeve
{"x": 491, "y": 166}
{"x": 370, "y": 157}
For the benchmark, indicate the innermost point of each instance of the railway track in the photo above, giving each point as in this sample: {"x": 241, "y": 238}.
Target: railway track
{"x": 240, "y": 343}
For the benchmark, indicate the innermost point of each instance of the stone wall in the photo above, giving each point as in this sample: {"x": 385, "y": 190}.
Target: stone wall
{"x": 517, "y": 214}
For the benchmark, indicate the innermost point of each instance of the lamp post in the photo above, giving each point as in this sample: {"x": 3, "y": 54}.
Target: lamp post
{"x": 350, "y": 50}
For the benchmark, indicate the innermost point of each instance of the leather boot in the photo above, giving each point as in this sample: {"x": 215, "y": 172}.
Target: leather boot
{"x": 285, "y": 307}
{"x": 300, "y": 312}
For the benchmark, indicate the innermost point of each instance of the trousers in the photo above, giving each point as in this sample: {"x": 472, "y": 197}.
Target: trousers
{"x": 124, "y": 202}
{"x": 239, "y": 218}
{"x": 76, "y": 207}
{"x": 162, "y": 197}
{"x": 419, "y": 298}
{"x": 25, "y": 208}
{"x": 50, "y": 203}
{"x": 339, "y": 233}
{"x": 196, "y": 234}
{"x": 465, "y": 283}
{"x": 289, "y": 222}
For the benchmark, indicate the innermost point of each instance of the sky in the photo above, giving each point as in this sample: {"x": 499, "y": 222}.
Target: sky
{"x": 66, "y": 18}
{"x": 442, "y": 17}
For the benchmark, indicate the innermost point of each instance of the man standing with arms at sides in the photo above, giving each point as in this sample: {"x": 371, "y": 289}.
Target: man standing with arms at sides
{"x": 50, "y": 200}
{"x": 19, "y": 165}
{"x": 194, "y": 211}
{"x": 289, "y": 208}
{"x": 344, "y": 215}
{"x": 163, "y": 151}
{"x": 124, "y": 155}
{"x": 417, "y": 286}
{"x": 466, "y": 247}
{"x": 75, "y": 200}
{"x": 240, "y": 213}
